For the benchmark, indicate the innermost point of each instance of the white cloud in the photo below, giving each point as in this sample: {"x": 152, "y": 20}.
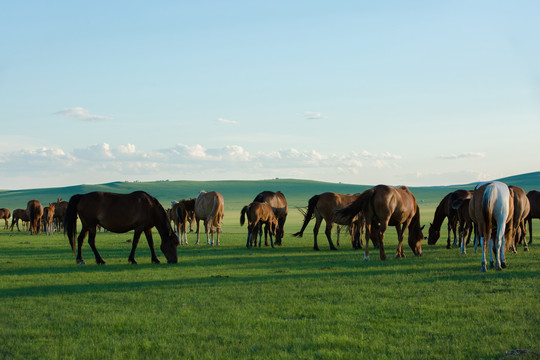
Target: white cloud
{"x": 314, "y": 115}
{"x": 225, "y": 121}
{"x": 467, "y": 155}
{"x": 79, "y": 113}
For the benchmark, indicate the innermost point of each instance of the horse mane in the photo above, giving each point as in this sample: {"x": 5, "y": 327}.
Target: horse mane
{"x": 308, "y": 215}
{"x": 358, "y": 205}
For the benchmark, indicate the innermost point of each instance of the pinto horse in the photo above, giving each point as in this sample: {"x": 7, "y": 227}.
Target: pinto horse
{"x": 258, "y": 214}
{"x": 522, "y": 208}
{"x": 387, "y": 206}
{"x": 279, "y": 205}
{"x": 534, "y": 201}
{"x": 324, "y": 206}
{"x": 209, "y": 207}
{"x": 492, "y": 204}
{"x": 34, "y": 210}
{"x": 182, "y": 214}
{"x": 48, "y": 216}
{"x": 445, "y": 210}
{"x": 119, "y": 213}
{"x": 5, "y": 214}
{"x": 19, "y": 214}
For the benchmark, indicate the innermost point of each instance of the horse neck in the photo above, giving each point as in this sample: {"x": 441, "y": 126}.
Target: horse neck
{"x": 439, "y": 216}
{"x": 414, "y": 226}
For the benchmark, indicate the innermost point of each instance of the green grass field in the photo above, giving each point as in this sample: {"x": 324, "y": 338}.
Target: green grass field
{"x": 288, "y": 302}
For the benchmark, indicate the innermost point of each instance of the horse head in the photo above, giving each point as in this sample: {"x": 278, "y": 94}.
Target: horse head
{"x": 415, "y": 239}
{"x": 433, "y": 234}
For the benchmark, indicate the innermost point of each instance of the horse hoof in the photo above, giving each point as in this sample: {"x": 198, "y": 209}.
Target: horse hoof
{"x": 101, "y": 262}
{"x": 526, "y": 249}
{"x": 483, "y": 269}
{"x": 316, "y": 248}
{"x": 133, "y": 262}
{"x": 156, "y": 261}
{"x": 503, "y": 265}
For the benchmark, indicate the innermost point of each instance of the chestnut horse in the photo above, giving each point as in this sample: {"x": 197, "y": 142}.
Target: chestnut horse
{"x": 279, "y": 205}
{"x": 209, "y": 208}
{"x": 461, "y": 205}
{"x": 522, "y": 208}
{"x": 20, "y": 214}
{"x": 34, "y": 210}
{"x": 534, "y": 201}
{"x": 5, "y": 214}
{"x": 258, "y": 214}
{"x": 387, "y": 206}
{"x": 182, "y": 213}
{"x": 492, "y": 204}
{"x": 119, "y": 213}
{"x": 48, "y": 216}
{"x": 445, "y": 210}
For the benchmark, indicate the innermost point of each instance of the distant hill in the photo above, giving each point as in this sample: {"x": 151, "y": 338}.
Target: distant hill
{"x": 239, "y": 192}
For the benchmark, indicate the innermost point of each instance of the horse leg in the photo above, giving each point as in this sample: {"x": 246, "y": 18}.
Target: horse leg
{"x": 92, "y": 243}
{"x": 315, "y": 232}
{"x": 400, "y": 229}
{"x": 265, "y": 235}
{"x": 80, "y": 241}
{"x": 368, "y": 236}
{"x": 530, "y": 230}
{"x": 134, "y": 244}
{"x": 197, "y": 242}
{"x": 338, "y": 231}
{"x": 483, "y": 245}
{"x": 150, "y": 240}
{"x": 381, "y": 231}
{"x": 524, "y": 236}
{"x": 328, "y": 233}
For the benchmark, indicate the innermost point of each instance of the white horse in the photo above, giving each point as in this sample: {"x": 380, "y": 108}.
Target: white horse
{"x": 492, "y": 204}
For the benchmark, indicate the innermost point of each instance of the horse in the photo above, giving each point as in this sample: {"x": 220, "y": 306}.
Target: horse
{"x": 119, "y": 213}
{"x": 492, "y": 204}
{"x": 259, "y": 213}
{"x": 60, "y": 207}
{"x": 324, "y": 206}
{"x": 387, "y": 206}
{"x": 182, "y": 214}
{"x": 534, "y": 201}
{"x": 34, "y": 210}
{"x": 461, "y": 205}
{"x": 279, "y": 205}
{"x": 5, "y": 214}
{"x": 48, "y": 216}
{"x": 522, "y": 208}
{"x": 444, "y": 210}
{"x": 19, "y": 214}
{"x": 209, "y": 207}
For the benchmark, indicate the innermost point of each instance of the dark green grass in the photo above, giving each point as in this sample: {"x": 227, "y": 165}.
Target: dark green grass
{"x": 288, "y": 302}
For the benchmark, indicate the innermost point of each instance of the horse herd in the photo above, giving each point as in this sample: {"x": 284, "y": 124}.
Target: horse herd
{"x": 497, "y": 212}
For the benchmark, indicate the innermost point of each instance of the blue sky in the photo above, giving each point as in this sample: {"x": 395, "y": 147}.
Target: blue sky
{"x": 364, "y": 92}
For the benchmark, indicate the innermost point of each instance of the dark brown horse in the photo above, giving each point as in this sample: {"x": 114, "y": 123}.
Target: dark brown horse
{"x": 60, "y": 207}
{"x": 259, "y": 214}
{"x": 48, "y": 216}
{"x": 279, "y": 205}
{"x": 522, "y": 208}
{"x": 492, "y": 204}
{"x": 183, "y": 213}
{"x": 387, "y": 206}
{"x": 34, "y": 210}
{"x": 324, "y": 206}
{"x": 119, "y": 213}
{"x": 20, "y": 214}
{"x": 461, "y": 205}
{"x": 444, "y": 210}
{"x": 209, "y": 207}
{"x": 534, "y": 201}
{"x": 5, "y": 214}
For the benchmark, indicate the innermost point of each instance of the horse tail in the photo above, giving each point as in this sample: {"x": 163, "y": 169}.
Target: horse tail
{"x": 309, "y": 214}
{"x": 347, "y": 214}
{"x": 70, "y": 220}
{"x": 243, "y": 215}
{"x": 488, "y": 203}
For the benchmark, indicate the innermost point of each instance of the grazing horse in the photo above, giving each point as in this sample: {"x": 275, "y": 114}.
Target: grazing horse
{"x": 387, "y": 206}
{"x": 182, "y": 214}
{"x": 48, "y": 216}
{"x": 259, "y": 213}
{"x": 5, "y": 214}
{"x": 461, "y": 205}
{"x": 492, "y": 204}
{"x": 119, "y": 213}
{"x": 209, "y": 208}
{"x": 279, "y": 205}
{"x": 20, "y": 214}
{"x": 522, "y": 208}
{"x": 534, "y": 201}
{"x": 324, "y": 206}
{"x": 444, "y": 210}
{"x": 34, "y": 210}
{"x": 60, "y": 207}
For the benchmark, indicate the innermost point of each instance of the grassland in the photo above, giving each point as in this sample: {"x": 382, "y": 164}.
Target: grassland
{"x": 289, "y": 302}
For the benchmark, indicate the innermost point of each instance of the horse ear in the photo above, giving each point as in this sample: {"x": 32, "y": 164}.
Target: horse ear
{"x": 422, "y": 228}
